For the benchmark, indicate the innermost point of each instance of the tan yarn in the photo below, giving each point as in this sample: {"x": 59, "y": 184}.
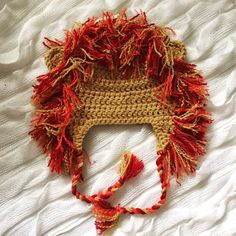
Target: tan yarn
{"x": 109, "y": 101}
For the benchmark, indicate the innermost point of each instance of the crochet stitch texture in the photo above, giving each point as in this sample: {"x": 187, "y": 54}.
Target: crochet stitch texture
{"x": 117, "y": 70}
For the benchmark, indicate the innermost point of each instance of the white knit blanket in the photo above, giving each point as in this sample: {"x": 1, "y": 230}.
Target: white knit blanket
{"x": 35, "y": 202}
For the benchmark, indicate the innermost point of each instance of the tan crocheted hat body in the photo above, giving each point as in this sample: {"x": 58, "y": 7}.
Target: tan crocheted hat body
{"x": 113, "y": 100}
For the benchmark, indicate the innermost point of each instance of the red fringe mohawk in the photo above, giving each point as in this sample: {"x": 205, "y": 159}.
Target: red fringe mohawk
{"x": 123, "y": 44}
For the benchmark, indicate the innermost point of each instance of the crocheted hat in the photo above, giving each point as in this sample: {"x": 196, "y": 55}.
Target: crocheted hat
{"x": 116, "y": 70}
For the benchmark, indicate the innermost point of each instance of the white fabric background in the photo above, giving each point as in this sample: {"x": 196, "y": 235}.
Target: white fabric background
{"x": 35, "y": 202}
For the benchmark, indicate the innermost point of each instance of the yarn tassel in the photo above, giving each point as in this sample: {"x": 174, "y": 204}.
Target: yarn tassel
{"x": 187, "y": 139}
{"x": 187, "y": 88}
{"x": 50, "y": 125}
{"x": 106, "y": 216}
{"x": 130, "y": 166}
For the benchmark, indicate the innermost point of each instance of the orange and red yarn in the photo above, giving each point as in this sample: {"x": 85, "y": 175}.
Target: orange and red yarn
{"x": 123, "y": 44}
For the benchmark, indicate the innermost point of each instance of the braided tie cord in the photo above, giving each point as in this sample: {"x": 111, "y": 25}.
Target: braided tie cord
{"x": 98, "y": 200}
